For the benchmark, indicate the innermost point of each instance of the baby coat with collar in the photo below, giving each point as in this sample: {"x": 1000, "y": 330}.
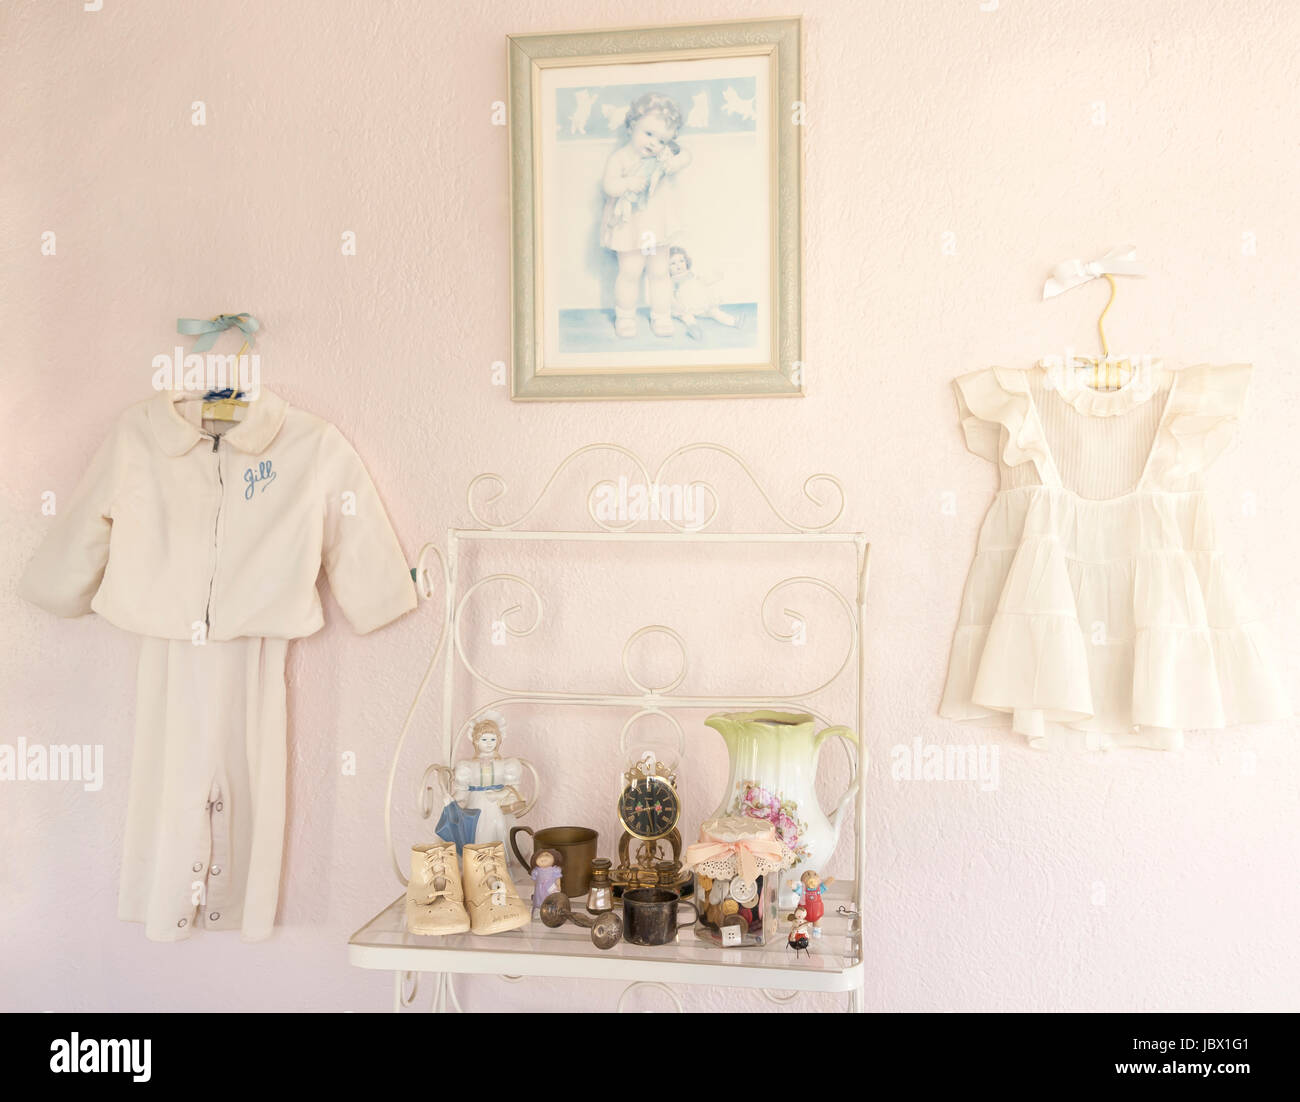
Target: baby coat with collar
{"x": 176, "y": 533}
{"x": 209, "y": 546}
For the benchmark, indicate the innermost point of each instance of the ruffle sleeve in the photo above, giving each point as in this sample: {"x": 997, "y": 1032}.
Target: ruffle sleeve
{"x": 983, "y": 433}
{"x": 998, "y": 419}
{"x": 1208, "y": 404}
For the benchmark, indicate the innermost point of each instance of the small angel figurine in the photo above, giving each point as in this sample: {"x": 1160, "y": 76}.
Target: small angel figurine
{"x": 810, "y": 889}
{"x": 798, "y": 936}
{"x": 546, "y": 873}
{"x": 483, "y": 788}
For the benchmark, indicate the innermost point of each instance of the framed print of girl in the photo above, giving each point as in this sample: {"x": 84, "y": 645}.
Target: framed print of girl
{"x": 656, "y": 178}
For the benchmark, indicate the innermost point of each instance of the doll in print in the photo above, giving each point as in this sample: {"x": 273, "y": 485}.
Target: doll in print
{"x": 640, "y": 214}
{"x": 811, "y": 888}
{"x": 693, "y": 298}
{"x": 546, "y": 873}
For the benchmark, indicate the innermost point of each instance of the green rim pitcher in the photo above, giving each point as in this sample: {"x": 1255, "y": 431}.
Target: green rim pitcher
{"x": 773, "y": 776}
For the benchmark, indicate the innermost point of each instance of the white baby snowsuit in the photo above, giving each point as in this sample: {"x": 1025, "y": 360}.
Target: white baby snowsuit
{"x": 209, "y": 544}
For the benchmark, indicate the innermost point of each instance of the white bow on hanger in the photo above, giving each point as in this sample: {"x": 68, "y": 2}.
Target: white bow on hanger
{"x": 1121, "y": 260}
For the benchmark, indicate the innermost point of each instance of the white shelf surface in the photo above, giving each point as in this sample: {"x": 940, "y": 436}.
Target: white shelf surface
{"x": 833, "y": 961}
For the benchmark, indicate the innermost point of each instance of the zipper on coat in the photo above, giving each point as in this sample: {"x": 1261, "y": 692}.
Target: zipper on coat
{"x": 216, "y": 526}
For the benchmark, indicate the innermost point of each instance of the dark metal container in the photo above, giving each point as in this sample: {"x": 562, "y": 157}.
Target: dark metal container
{"x": 650, "y": 915}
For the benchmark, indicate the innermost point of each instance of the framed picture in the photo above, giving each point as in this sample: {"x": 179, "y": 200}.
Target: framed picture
{"x": 656, "y": 209}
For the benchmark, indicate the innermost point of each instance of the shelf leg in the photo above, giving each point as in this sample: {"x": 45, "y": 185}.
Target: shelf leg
{"x": 654, "y": 984}
{"x": 444, "y": 995}
{"x": 780, "y": 1000}
{"x": 401, "y": 997}
{"x": 446, "y": 999}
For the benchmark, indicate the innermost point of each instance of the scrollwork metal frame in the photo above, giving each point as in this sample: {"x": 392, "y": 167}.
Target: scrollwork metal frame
{"x": 824, "y": 491}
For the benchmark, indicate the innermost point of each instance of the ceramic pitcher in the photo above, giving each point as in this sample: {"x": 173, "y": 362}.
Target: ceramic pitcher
{"x": 773, "y": 776}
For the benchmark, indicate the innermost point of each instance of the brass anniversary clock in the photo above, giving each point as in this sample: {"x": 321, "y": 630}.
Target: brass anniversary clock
{"x": 649, "y": 809}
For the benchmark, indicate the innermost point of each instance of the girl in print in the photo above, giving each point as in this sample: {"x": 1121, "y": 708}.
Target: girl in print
{"x": 693, "y": 298}
{"x": 640, "y": 212}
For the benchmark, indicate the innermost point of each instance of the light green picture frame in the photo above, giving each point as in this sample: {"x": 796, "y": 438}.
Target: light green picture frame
{"x": 777, "y": 44}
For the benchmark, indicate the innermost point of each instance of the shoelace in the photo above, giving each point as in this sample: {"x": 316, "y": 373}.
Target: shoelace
{"x": 491, "y": 865}
{"x": 435, "y": 871}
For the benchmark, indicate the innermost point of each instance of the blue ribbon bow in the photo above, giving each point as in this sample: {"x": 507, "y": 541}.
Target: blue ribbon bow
{"x": 209, "y": 330}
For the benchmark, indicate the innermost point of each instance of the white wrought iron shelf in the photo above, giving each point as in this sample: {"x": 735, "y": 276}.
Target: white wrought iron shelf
{"x": 836, "y": 963}
{"x": 832, "y": 964}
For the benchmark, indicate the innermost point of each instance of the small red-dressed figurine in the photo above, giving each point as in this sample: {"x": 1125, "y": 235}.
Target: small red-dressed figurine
{"x": 810, "y": 889}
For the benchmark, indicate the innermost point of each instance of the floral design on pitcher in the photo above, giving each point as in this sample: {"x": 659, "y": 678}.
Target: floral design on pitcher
{"x": 757, "y": 802}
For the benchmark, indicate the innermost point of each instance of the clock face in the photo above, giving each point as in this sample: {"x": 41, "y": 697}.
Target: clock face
{"x": 648, "y": 808}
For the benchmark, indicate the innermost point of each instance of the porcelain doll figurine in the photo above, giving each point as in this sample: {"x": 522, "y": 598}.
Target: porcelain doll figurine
{"x": 484, "y": 797}
{"x": 546, "y": 875}
{"x": 810, "y": 889}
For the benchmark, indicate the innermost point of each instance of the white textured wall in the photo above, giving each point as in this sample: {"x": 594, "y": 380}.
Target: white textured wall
{"x": 927, "y": 118}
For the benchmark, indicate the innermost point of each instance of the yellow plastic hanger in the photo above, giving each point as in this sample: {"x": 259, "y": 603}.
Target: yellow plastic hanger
{"x": 1107, "y": 374}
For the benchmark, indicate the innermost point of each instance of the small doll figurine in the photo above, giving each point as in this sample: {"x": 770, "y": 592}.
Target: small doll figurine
{"x": 482, "y": 788}
{"x": 798, "y": 937}
{"x": 546, "y": 873}
{"x": 810, "y": 889}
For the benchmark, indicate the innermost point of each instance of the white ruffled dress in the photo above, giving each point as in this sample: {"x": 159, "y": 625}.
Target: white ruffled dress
{"x": 1099, "y": 610}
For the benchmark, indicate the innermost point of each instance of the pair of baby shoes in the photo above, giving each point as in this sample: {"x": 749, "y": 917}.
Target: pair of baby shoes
{"x": 446, "y": 896}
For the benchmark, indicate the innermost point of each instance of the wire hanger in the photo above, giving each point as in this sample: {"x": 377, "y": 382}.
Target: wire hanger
{"x": 221, "y": 405}
{"x": 1107, "y": 373}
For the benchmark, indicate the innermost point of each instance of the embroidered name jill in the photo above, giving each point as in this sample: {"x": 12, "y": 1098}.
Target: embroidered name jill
{"x": 262, "y": 474}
